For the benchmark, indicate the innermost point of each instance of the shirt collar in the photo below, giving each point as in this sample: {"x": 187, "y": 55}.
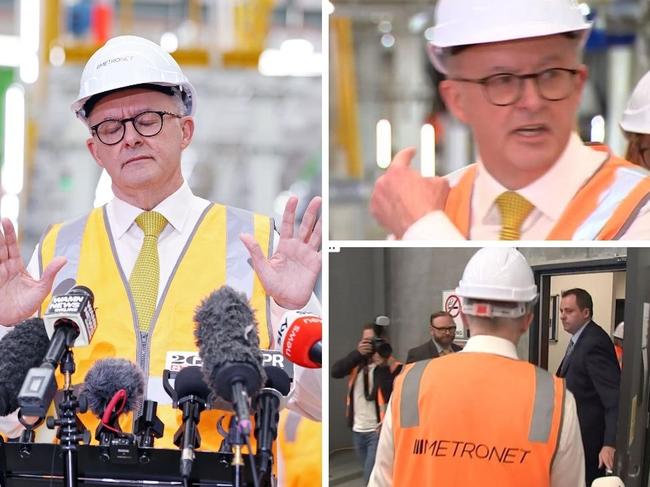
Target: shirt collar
{"x": 577, "y": 334}
{"x": 174, "y": 208}
{"x": 491, "y": 344}
{"x": 574, "y": 167}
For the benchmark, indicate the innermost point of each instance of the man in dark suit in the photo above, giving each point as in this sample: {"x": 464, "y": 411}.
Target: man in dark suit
{"x": 593, "y": 376}
{"x": 443, "y": 331}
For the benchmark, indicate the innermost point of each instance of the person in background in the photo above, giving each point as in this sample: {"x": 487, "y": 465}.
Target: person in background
{"x": 371, "y": 369}
{"x": 636, "y": 124}
{"x": 619, "y": 333}
{"x": 443, "y": 330}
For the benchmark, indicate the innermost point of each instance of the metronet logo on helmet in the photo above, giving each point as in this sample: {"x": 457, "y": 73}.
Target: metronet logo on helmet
{"x": 469, "y": 450}
{"x": 115, "y": 60}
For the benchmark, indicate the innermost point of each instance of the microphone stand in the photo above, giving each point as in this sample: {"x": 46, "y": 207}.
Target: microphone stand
{"x": 71, "y": 430}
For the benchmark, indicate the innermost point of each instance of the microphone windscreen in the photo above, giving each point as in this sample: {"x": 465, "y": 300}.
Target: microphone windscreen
{"x": 21, "y": 349}
{"x": 108, "y": 376}
{"x": 226, "y": 334}
{"x": 277, "y": 379}
{"x": 189, "y": 381}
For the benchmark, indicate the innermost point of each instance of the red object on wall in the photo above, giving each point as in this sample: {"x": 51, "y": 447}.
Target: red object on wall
{"x": 101, "y": 21}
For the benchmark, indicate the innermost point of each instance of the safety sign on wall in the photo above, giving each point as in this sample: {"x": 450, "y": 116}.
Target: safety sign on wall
{"x": 451, "y": 304}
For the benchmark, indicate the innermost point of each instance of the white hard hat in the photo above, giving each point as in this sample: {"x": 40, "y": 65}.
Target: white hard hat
{"x": 636, "y": 117}
{"x": 609, "y": 481}
{"x": 619, "y": 331}
{"x": 128, "y": 61}
{"x": 467, "y": 22}
{"x": 493, "y": 275}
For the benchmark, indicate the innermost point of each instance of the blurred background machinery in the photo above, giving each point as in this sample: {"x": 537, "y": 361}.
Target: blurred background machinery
{"x": 383, "y": 94}
{"x": 256, "y": 66}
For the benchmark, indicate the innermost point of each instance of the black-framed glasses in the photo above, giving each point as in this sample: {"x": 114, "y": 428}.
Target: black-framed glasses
{"x": 445, "y": 329}
{"x": 147, "y": 124}
{"x": 505, "y": 89}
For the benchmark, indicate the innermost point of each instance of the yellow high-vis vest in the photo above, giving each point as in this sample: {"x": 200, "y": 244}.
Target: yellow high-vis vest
{"x": 213, "y": 256}
{"x": 603, "y": 209}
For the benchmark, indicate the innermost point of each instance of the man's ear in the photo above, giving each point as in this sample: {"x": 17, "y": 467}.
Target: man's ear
{"x": 451, "y": 93}
{"x": 92, "y": 148}
{"x": 187, "y": 126}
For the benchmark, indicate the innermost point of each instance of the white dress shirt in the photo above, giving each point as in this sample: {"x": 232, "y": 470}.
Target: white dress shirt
{"x": 568, "y": 469}
{"x": 550, "y": 194}
{"x": 182, "y": 210}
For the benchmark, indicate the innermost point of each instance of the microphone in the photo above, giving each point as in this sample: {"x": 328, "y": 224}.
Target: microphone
{"x": 192, "y": 393}
{"x": 20, "y": 350}
{"x": 148, "y": 426}
{"x": 113, "y": 386}
{"x": 69, "y": 319}
{"x": 267, "y": 414}
{"x": 226, "y": 334}
{"x": 299, "y": 338}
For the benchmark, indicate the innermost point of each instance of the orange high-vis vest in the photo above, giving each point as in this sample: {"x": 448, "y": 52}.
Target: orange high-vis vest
{"x": 471, "y": 419}
{"x": 603, "y": 209}
{"x": 382, "y": 402}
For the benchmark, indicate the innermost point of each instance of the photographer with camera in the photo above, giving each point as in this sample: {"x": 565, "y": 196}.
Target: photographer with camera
{"x": 371, "y": 369}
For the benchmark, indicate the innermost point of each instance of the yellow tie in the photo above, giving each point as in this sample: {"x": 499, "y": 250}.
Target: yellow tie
{"x": 146, "y": 272}
{"x": 514, "y": 209}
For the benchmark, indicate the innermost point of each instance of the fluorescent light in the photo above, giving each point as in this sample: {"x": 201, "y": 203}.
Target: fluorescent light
{"x": 14, "y": 144}
{"x": 383, "y": 144}
{"x": 169, "y": 42}
{"x": 30, "y": 24}
{"x": 57, "y": 56}
{"x": 427, "y": 151}
{"x": 296, "y": 57}
{"x": 9, "y": 208}
{"x": 598, "y": 129}
{"x": 29, "y": 68}
{"x": 387, "y": 40}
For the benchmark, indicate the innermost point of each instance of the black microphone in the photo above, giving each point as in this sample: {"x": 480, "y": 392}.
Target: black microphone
{"x": 69, "y": 319}
{"x": 112, "y": 387}
{"x": 267, "y": 414}
{"x": 226, "y": 334}
{"x": 20, "y": 350}
{"x": 192, "y": 393}
{"x": 148, "y": 426}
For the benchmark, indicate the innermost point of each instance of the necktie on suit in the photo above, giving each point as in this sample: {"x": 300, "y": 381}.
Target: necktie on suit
{"x": 145, "y": 276}
{"x": 565, "y": 360}
{"x": 514, "y": 209}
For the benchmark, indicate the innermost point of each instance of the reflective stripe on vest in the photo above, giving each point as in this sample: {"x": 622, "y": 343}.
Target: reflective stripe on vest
{"x": 602, "y": 209}
{"x": 202, "y": 267}
{"x": 467, "y": 417}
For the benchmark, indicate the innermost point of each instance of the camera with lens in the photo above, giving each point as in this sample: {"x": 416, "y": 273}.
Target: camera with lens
{"x": 378, "y": 343}
{"x": 381, "y": 346}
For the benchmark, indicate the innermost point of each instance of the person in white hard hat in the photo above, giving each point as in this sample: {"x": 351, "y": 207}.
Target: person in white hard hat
{"x": 515, "y": 77}
{"x": 482, "y": 416}
{"x": 636, "y": 123}
{"x": 154, "y": 252}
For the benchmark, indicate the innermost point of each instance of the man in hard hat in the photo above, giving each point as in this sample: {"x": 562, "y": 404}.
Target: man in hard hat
{"x": 156, "y": 250}
{"x": 515, "y": 77}
{"x": 443, "y": 331}
{"x": 593, "y": 376}
{"x": 482, "y": 416}
{"x": 371, "y": 370}
{"x": 636, "y": 123}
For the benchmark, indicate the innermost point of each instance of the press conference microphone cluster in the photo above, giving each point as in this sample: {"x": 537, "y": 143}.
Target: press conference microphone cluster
{"x": 69, "y": 321}
{"x": 113, "y": 387}
{"x": 22, "y": 349}
{"x": 299, "y": 338}
{"x": 226, "y": 334}
{"x": 267, "y": 414}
